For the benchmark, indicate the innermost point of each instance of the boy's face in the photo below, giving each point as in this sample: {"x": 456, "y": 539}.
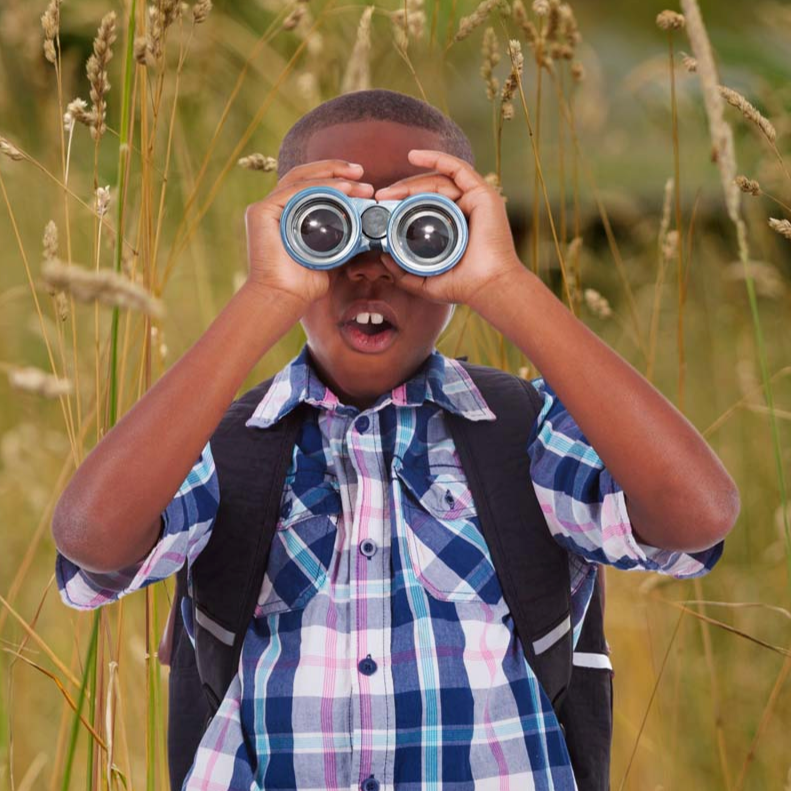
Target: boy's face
{"x": 347, "y": 363}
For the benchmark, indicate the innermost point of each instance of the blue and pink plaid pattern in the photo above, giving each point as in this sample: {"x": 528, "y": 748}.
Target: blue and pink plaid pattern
{"x": 381, "y": 648}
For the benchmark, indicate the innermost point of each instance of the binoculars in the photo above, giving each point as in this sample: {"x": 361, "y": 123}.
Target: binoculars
{"x": 322, "y": 227}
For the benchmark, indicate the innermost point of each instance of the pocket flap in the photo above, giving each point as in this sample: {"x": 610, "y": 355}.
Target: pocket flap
{"x": 443, "y": 491}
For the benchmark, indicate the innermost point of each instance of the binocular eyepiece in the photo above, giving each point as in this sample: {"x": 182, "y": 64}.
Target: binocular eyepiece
{"x": 322, "y": 227}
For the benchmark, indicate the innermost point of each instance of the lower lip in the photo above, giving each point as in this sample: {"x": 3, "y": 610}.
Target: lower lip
{"x": 368, "y": 344}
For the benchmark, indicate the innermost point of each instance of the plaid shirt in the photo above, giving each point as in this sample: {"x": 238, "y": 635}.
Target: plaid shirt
{"x": 381, "y": 654}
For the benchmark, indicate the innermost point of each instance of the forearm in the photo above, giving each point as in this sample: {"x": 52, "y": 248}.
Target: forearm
{"x": 109, "y": 515}
{"x": 679, "y": 494}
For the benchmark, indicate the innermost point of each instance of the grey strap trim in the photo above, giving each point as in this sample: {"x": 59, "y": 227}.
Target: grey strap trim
{"x": 596, "y": 661}
{"x": 551, "y": 637}
{"x": 220, "y": 632}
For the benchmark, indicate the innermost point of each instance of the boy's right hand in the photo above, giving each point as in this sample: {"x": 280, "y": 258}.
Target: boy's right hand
{"x": 270, "y": 266}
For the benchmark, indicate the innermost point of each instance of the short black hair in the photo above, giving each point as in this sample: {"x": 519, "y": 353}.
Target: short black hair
{"x": 377, "y": 104}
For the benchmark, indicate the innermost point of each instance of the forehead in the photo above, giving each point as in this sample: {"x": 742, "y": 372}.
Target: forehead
{"x": 379, "y": 146}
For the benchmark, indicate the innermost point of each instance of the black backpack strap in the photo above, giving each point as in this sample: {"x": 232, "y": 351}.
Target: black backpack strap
{"x": 227, "y": 576}
{"x": 532, "y": 567}
{"x": 587, "y": 710}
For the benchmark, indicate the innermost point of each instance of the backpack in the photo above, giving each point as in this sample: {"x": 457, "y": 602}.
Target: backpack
{"x": 533, "y": 570}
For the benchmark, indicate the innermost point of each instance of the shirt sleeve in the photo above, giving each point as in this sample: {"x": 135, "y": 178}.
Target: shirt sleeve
{"x": 186, "y": 528}
{"x": 583, "y": 504}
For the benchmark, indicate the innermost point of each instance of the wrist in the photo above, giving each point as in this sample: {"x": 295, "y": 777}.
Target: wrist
{"x": 510, "y": 280}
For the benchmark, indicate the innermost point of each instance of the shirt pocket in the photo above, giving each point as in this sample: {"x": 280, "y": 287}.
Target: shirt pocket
{"x": 302, "y": 547}
{"x": 447, "y": 550}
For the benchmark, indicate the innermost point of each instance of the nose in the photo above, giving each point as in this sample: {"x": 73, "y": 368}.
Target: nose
{"x": 366, "y": 267}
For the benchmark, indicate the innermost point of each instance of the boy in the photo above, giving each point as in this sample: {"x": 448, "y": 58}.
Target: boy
{"x": 392, "y": 671}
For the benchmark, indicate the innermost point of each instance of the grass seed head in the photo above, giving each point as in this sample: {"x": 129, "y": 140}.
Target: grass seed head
{"x": 490, "y": 49}
{"x": 748, "y": 186}
{"x": 200, "y": 11}
{"x": 105, "y": 286}
{"x": 50, "y": 23}
{"x": 357, "y": 76}
{"x": 670, "y": 20}
{"x": 689, "y": 63}
{"x": 34, "y": 380}
{"x": 10, "y": 150}
{"x": 598, "y": 304}
{"x": 258, "y": 162}
{"x": 783, "y": 227}
{"x": 735, "y": 99}
{"x": 469, "y": 23}
{"x": 96, "y": 69}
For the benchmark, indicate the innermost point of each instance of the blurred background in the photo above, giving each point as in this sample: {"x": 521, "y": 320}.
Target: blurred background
{"x": 654, "y": 268}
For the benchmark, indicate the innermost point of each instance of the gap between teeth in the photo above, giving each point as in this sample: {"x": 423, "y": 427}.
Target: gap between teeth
{"x": 374, "y": 318}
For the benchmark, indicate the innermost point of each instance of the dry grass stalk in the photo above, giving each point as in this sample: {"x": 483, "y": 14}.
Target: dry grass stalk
{"x": 50, "y": 22}
{"x": 34, "y": 380}
{"x": 577, "y": 71}
{"x": 469, "y": 23}
{"x": 670, "y": 20}
{"x": 597, "y": 303}
{"x": 748, "y": 186}
{"x": 96, "y": 69}
{"x": 721, "y": 134}
{"x": 735, "y": 99}
{"x": 10, "y": 150}
{"x": 258, "y": 162}
{"x": 104, "y": 286}
{"x": 409, "y": 23}
{"x": 783, "y": 227}
{"x": 358, "y": 73}
{"x": 490, "y": 49}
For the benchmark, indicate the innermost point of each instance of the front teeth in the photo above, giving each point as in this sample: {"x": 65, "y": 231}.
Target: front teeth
{"x": 375, "y": 318}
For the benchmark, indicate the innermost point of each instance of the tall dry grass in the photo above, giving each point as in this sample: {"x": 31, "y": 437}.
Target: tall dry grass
{"x": 121, "y": 218}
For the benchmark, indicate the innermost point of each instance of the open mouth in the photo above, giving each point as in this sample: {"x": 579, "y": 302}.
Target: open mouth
{"x": 369, "y": 332}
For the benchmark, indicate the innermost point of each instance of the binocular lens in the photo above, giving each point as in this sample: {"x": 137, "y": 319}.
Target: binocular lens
{"x": 323, "y": 228}
{"x": 427, "y": 234}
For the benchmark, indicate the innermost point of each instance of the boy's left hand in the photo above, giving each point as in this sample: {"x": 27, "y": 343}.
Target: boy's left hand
{"x": 490, "y": 251}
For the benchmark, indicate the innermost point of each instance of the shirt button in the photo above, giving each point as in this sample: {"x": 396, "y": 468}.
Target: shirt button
{"x": 367, "y": 666}
{"x": 370, "y": 784}
{"x": 449, "y": 499}
{"x": 286, "y": 509}
{"x": 362, "y": 424}
{"x": 368, "y": 547}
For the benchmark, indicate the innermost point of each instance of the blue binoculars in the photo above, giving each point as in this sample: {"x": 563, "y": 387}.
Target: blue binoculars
{"x": 322, "y": 227}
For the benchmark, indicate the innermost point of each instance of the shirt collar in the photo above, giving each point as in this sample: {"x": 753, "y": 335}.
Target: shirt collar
{"x": 440, "y": 379}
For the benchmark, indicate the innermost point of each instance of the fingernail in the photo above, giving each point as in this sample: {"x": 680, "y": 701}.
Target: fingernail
{"x": 355, "y": 165}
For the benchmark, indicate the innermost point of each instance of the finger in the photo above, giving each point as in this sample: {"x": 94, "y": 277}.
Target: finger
{"x": 279, "y": 197}
{"x": 425, "y": 182}
{"x": 352, "y": 188}
{"x": 323, "y": 168}
{"x": 461, "y": 172}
